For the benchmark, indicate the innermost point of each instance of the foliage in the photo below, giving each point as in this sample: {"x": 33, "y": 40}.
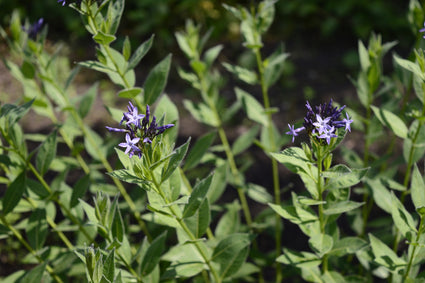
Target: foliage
{"x": 159, "y": 211}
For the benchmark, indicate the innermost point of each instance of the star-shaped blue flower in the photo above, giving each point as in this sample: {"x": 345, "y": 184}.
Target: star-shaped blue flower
{"x": 347, "y": 122}
{"x": 321, "y": 125}
{"x": 328, "y": 134}
{"x": 130, "y": 145}
{"x": 294, "y": 132}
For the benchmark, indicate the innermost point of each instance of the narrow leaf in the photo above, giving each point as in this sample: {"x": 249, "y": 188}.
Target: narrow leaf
{"x": 175, "y": 160}
{"x": 153, "y": 254}
{"x": 197, "y": 197}
{"x": 139, "y": 53}
{"x": 156, "y": 80}
{"x": 392, "y": 121}
{"x": 418, "y": 189}
{"x": 198, "y": 150}
{"x": 14, "y": 193}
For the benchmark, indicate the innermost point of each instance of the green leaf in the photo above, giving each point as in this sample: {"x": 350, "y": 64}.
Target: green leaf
{"x": 274, "y": 68}
{"x": 197, "y": 196}
{"x": 321, "y": 244}
{"x": 93, "y": 143}
{"x": 211, "y": 54}
{"x": 252, "y": 107}
{"x": 392, "y": 121}
{"x": 46, "y": 153}
{"x": 114, "y": 14}
{"x": 37, "y": 188}
{"x": 118, "y": 228}
{"x": 403, "y": 220}
{"x": 153, "y": 254}
{"x": 156, "y": 80}
{"x": 348, "y": 245}
{"x": 35, "y": 275}
{"x": 97, "y": 66}
{"x": 175, "y": 160}
{"x": 130, "y": 93}
{"x": 299, "y": 259}
{"x": 386, "y": 256}
{"x": 36, "y": 229}
{"x": 230, "y": 222}
{"x": 126, "y": 176}
{"x": 381, "y": 194}
{"x": 231, "y": 253}
{"x": 243, "y": 74}
{"x": 245, "y": 140}
{"x": 417, "y": 188}
{"x": 218, "y": 183}
{"x": 341, "y": 207}
{"x": 14, "y": 113}
{"x": 198, "y": 150}
{"x": 364, "y": 57}
{"x": 410, "y": 66}
{"x": 418, "y": 147}
{"x": 258, "y": 193}
{"x": 201, "y": 112}
{"x": 87, "y": 100}
{"x": 200, "y": 221}
{"x": 109, "y": 266}
{"x": 126, "y": 48}
{"x": 79, "y": 190}
{"x": 103, "y": 38}
{"x": 339, "y": 180}
{"x": 139, "y": 53}
{"x": 294, "y": 159}
{"x": 14, "y": 193}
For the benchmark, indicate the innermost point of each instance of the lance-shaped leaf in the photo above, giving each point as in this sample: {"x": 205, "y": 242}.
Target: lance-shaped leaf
{"x": 14, "y": 193}
{"x": 126, "y": 176}
{"x": 37, "y": 229}
{"x": 321, "y": 243}
{"x": 386, "y": 256}
{"x": 231, "y": 253}
{"x": 299, "y": 259}
{"x": 403, "y": 220}
{"x": 341, "y": 207}
{"x": 243, "y": 74}
{"x": 410, "y": 66}
{"x": 46, "y": 153}
{"x": 35, "y": 275}
{"x": 139, "y": 53}
{"x": 87, "y": 101}
{"x": 79, "y": 190}
{"x": 175, "y": 160}
{"x": 199, "y": 222}
{"x": 14, "y": 113}
{"x": 294, "y": 159}
{"x": 197, "y": 196}
{"x": 156, "y": 80}
{"x": 114, "y": 14}
{"x": 344, "y": 180}
{"x": 252, "y": 107}
{"x": 392, "y": 121}
{"x": 109, "y": 267}
{"x": 418, "y": 191}
{"x": 198, "y": 150}
{"x": 153, "y": 254}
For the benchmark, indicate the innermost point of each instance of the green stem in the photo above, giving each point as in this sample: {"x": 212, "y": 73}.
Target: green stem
{"x": 320, "y": 158}
{"x": 275, "y": 169}
{"x": 21, "y": 239}
{"x": 412, "y": 256}
{"x": 186, "y": 230}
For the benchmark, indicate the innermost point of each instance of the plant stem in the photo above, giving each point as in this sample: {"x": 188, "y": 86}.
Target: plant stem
{"x": 186, "y": 230}
{"x": 275, "y": 172}
{"x": 21, "y": 239}
{"x": 412, "y": 256}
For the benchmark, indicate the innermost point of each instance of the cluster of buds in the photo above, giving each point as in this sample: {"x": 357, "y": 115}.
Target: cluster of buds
{"x": 322, "y": 122}
{"x": 139, "y": 130}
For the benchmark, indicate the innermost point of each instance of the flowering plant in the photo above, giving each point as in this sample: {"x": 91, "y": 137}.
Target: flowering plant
{"x": 82, "y": 204}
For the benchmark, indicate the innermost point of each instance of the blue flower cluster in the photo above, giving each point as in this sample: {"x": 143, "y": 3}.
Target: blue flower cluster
{"x": 322, "y": 122}
{"x": 34, "y": 29}
{"x": 139, "y": 130}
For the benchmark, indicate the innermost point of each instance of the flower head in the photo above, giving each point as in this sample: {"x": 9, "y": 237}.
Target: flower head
{"x": 34, "y": 29}
{"x": 322, "y": 122}
{"x": 139, "y": 130}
